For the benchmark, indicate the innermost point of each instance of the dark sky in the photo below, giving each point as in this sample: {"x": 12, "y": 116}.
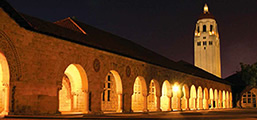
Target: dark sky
{"x": 163, "y": 26}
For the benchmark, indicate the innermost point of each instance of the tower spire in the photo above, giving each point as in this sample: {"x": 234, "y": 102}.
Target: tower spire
{"x": 205, "y": 9}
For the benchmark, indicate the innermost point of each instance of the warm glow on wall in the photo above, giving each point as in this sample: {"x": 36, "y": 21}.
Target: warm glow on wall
{"x": 175, "y": 88}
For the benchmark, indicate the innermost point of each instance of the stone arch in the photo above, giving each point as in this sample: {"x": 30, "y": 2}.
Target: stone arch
{"x": 230, "y": 100}
{"x": 4, "y": 85}
{"x": 205, "y": 99}
{"x": 185, "y": 98}
{"x": 8, "y": 50}
{"x": 73, "y": 96}
{"x": 176, "y": 96}
{"x": 139, "y": 95}
{"x": 153, "y": 99}
{"x": 166, "y": 95}
{"x": 223, "y": 99}
{"x": 192, "y": 99}
{"x": 199, "y": 98}
{"x": 216, "y": 98}
{"x": 112, "y": 93}
{"x": 220, "y": 99}
{"x": 211, "y": 98}
{"x": 227, "y": 99}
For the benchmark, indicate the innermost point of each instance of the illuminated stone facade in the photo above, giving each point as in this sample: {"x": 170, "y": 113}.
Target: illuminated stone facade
{"x": 42, "y": 73}
{"x": 207, "y": 44}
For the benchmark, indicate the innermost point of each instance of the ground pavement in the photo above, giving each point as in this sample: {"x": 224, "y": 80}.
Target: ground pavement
{"x": 216, "y": 114}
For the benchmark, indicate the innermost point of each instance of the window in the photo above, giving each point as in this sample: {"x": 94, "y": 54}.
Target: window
{"x": 210, "y": 42}
{"x": 108, "y": 96}
{"x": 198, "y": 43}
{"x": 244, "y": 100}
{"x": 204, "y": 42}
{"x": 249, "y": 100}
{"x": 107, "y": 89}
{"x": 198, "y": 30}
{"x": 249, "y": 94}
{"x": 204, "y": 28}
{"x": 211, "y": 27}
{"x": 204, "y": 37}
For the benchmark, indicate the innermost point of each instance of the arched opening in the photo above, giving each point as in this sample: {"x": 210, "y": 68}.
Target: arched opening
{"x": 112, "y": 93}
{"x": 223, "y": 99}
{"x": 176, "y": 97}
{"x": 220, "y": 99}
{"x": 73, "y": 96}
{"x": 227, "y": 99}
{"x": 185, "y": 98}
{"x": 211, "y": 99}
{"x": 216, "y": 99}
{"x": 153, "y": 96}
{"x": 230, "y": 100}
{"x": 205, "y": 99}
{"x": 4, "y": 85}
{"x": 199, "y": 98}
{"x": 204, "y": 28}
{"x": 192, "y": 99}
{"x": 139, "y": 95}
{"x": 165, "y": 98}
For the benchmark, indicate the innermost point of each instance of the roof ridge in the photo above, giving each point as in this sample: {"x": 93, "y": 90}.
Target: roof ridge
{"x": 61, "y": 20}
{"x": 77, "y": 25}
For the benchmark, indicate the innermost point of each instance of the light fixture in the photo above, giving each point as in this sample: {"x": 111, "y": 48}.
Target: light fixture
{"x": 175, "y": 88}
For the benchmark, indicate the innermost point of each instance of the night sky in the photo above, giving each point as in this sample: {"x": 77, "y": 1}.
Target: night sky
{"x": 163, "y": 26}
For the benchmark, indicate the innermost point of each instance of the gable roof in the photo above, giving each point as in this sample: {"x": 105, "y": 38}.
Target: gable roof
{"x": 75, "y": 31}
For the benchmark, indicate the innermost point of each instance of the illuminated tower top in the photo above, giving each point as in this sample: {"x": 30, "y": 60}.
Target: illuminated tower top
{"x": 205, "y": 9}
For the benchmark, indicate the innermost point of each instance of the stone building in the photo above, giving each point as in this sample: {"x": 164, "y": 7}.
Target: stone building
{"x": 68, "y": 67}
{"x": 244, "y": 95}
{"x": 207, "y": 43}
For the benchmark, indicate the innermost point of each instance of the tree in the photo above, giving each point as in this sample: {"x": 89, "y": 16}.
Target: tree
{"x": 249, "y": 74}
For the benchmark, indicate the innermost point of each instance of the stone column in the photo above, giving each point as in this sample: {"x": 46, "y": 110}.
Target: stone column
{"x": 179, "y": 103}
{"x": 59, "y": 87}
{"x": 86, "y": 107}
{"x": 7, "y": 96}
{"x": 145, "y": 104}
{"x": 158, "y": 103}
{"x": 170, "y": 99}
{"x": 187, "y": 104}
{"x": 211, "y": 101}
{"x": 119, "y": 103}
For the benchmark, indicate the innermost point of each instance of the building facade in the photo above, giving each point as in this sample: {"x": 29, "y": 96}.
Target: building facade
{"x": 207, "y": 44}
{"x": 67, "y": 67}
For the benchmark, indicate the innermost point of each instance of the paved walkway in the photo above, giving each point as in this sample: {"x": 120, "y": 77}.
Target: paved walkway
{"x": 221, "y": 114}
